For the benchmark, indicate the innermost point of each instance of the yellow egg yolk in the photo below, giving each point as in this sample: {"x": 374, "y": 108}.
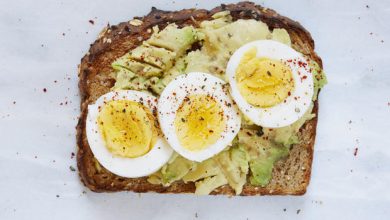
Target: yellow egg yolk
{"x": 128, "y": 128}
{"x": 199, "y": 122}
{"x": 263, "y": 82}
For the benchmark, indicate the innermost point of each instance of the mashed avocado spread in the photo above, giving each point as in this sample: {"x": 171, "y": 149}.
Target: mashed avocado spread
{"x": 167, "y": 54}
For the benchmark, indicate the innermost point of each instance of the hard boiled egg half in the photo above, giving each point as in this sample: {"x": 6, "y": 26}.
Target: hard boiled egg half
{"x": 124, "y": 135}
{"x": 270, "y": 82}
{"x": 197, "y": 115}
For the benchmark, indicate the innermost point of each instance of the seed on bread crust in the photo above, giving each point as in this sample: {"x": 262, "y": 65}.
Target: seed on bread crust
{"x": 136, "y": 22}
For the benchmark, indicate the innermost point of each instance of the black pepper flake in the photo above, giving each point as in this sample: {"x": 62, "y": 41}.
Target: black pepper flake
{"x": 211, "y": 131}
{"x": 183, "y": 120}
{"x": 269, "y": 73}
{"x": 44, "y": 90}
{"x": 124, "y": 110}
{"x": 248, "y": 133}
{"x": 259, "y": 132}
{"x": 91, "y": 22}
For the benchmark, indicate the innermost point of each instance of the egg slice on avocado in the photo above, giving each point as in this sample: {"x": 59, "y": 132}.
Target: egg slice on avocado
{"x": 123, "y": 133}
{"x": 270, "y": 82}
{"x": 198, "y": 116}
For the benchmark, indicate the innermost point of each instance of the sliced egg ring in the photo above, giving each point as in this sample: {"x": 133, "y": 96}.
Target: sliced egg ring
{"x": 197, "y": 83}
{"x": 295, "y": 105}
{"x": 122, "y": 166}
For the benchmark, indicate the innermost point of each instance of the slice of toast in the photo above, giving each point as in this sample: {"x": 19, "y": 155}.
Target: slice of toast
{"x": 290, "y": 176}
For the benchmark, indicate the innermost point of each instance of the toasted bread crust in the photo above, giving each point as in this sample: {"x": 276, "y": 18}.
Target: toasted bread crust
{"x": 290, "y": 176}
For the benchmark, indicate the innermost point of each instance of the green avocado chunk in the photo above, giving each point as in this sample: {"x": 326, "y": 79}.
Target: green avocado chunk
{"x": 234, "y": 166}
{"x": 207, "y": 185}
{"x": 176, "y": 169}
{"x": 204, "y": 169}
{"x": 281, "y": 35}
{"x": 141, "y": 69}
{"x": 174, "y": 39}
{"x": 262, "y": 166}
{"x": 178, "y": 69}
{"x": 319, "y": 78}
{"x": 123, "y": 79}
{"x": 263, "y": 153}
{"x": 155, "y": 56}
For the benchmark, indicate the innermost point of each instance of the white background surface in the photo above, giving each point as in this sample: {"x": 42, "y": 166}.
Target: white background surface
{"x": 43, "y": 41}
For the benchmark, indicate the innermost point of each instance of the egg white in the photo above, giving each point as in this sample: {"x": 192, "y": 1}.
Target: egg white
{"x": 284, "y": 113}
{"x": 126, "y": 167}
{"x": 193, "y": 84}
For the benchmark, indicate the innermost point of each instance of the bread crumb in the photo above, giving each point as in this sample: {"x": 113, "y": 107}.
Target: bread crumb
{"x": 139, "y": 38}
{"x": 136, "y": 22}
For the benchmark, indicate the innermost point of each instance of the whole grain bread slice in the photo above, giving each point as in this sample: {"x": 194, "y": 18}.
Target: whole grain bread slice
{"x": 291, "y": 176}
